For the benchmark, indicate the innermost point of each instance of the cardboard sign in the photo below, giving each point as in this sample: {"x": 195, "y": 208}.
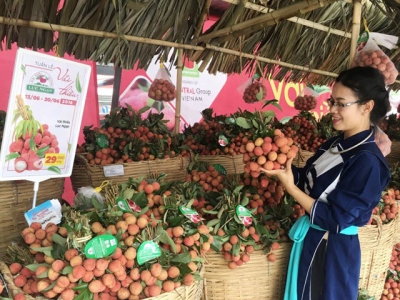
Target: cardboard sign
{"x": 44, "y": 115}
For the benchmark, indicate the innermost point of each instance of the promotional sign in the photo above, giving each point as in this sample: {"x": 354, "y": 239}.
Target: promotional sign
{"x": 44, "y": 115}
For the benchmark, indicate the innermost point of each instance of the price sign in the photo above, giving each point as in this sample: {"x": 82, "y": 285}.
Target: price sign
{"x": 44, "y": 116}
{"x": 54, "y": 159}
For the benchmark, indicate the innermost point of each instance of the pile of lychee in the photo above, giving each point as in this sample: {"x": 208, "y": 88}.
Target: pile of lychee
{"x": 210, "y": 179}
{"x": 387, "y": 209}
{"x": 116, "y": 277}
{"x": 126, "y": 145}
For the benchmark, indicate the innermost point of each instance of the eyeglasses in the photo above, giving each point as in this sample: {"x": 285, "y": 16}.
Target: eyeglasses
{"x": 339, "y": 105}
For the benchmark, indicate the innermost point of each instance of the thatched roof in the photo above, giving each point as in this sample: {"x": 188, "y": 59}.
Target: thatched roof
{"x": 181, "y": 21}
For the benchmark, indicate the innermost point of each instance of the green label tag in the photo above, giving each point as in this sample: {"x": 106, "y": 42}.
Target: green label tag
{"x": 148, "y": 250}
{"x": 222, "y": 140}
{"x": 101, "y": 246}
{"x": 102, "y": 141}
{"x": 128, "y": 205}
{"x": 256, "y": 76}
{"x": 363, "y": 37}
{"x": 191, "y": 214}
{"x": 220, "y": 169}
{"x": 123, "y": 205}
{"x": 244, "y": 215}
{"x": 362, "y": 40}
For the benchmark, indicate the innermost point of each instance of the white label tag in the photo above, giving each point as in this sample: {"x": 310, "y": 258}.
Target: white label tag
{"x": 115, "y": 170}
{"x": 47, "y": 212}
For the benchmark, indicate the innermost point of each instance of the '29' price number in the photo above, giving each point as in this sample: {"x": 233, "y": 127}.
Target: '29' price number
{"x": 54, "y": 159}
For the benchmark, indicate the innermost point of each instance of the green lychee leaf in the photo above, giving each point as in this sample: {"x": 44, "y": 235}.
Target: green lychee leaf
{"x": 33, "y": 267}
{"x": 12, "y": 156}
{"x": 49, "y": 287}
{"x": 54, "y": 169}
{"x": 66, "y": 270}
{"x": 260, "y": 95}
{"x": 78, "y": 84}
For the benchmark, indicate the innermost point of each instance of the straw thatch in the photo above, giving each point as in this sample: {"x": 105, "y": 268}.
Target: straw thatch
{"x": 242, "y": 27}
{"x": 297, "y": 44}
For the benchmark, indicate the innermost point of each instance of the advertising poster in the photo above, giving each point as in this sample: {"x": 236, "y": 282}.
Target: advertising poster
{"x": 44, "y": 116}
{"x": 221, "y": 92}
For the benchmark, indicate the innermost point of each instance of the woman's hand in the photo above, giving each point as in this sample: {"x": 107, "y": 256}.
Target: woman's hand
{"x": 285, "y": 176}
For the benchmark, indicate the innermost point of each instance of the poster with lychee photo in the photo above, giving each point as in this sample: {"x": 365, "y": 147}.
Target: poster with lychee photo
{"x": 44, "y": 115}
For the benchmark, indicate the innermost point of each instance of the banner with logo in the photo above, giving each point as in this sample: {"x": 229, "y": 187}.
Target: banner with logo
{"x": 221, "y": 92}
{"x": 44, "y": 116}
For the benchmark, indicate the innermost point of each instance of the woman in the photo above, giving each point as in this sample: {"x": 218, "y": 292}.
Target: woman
{"x": 339, "y": 187}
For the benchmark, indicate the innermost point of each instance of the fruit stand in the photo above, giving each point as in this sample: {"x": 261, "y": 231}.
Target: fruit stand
{"x": 191, "y": 214}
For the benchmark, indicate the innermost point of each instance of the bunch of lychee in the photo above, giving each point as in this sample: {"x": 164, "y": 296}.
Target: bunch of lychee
{"x": 306, "y": 102}
{"x": 303, "y": 132}
{"x": 254, "y": 92}
{"x": 271, "y": 153}
{"x": 162, "y": 90}
{"x": 269, "y": 191}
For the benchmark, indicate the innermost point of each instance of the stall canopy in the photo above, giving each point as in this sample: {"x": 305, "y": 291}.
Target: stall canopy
{"x": 308, "y": 40}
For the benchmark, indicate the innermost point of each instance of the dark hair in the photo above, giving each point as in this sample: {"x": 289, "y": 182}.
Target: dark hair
{"x": 368, "y": 83}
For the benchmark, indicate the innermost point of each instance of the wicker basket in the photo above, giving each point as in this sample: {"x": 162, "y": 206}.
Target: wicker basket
{"x": 376, "y": 249}
{"x": 394, "y": 155}
{"x": 257, "y": 279}
{"x": 397, "y": 230}
{"x": 16, "y": 199}
{"x": 192, "y": 292}
{"x": 84, "y": 174}
{"x": 301, "y": 158}
{"x": 232, "y": 164}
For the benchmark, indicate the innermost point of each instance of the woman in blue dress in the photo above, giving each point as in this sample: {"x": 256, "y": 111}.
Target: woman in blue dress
{"x": 338, "y": 188}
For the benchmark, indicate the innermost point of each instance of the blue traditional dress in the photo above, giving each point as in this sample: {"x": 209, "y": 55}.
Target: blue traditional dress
{"x": 346, "y": 187}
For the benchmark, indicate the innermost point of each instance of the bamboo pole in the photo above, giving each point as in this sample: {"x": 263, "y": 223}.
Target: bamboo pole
{"x": 275, "y": 20}
{"x": 355, "y": 30}
{"x": 178, "y": 91}
{"x": 258, "y": 23}
{"x": 304, "y": 22}
{"x": 103, "y": 34}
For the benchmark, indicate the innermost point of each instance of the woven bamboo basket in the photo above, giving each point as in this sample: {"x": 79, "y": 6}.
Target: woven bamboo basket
{"x": 16, "y": 199}
{"x": 192, "y": 292}
{"x": 397, "y": 230}
{"x": 232, "y": 164}
{"x": 376, "y": 249}
{"x": 84, "y": 174}
{"x": 301, "y": 158}
{"x": 258, "y": 279}
{"x": 394, "y": 155}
